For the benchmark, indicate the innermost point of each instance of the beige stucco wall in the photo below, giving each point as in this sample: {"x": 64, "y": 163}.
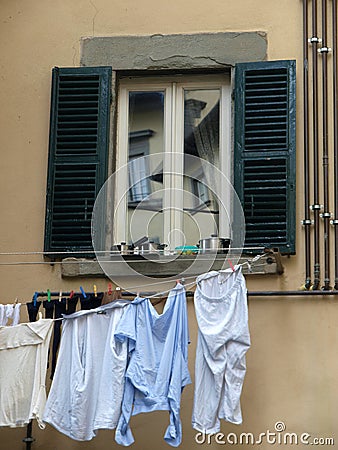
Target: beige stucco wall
{"x": 292, "y": 365}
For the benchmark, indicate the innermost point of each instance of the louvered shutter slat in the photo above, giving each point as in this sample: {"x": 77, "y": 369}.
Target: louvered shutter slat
{"x": 78, "y": 152}
{"x": 265, "y": 152}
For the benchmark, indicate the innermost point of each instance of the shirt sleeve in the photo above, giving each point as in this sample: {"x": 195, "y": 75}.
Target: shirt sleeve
{"x": 126, "y": 328}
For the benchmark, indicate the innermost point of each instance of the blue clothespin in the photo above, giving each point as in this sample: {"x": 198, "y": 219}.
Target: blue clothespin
{"x": 35, "y": 298}
{"x": 83, "y": 292}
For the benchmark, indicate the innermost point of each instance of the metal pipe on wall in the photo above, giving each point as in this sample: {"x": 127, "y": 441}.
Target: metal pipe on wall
{"x": 335, "y": 135}
{"x": 28, "y": 440}
{"x": 306, "y": 221}
{"x": 326, "y": 215}
{"x": 316, "y": 206}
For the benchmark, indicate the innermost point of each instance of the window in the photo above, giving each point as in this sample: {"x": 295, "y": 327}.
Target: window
{"x": 193, "y": 117}
{"x": 184, "y": 114}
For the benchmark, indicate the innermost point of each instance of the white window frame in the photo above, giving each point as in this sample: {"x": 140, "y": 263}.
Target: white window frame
{"x": 173, "y": 153}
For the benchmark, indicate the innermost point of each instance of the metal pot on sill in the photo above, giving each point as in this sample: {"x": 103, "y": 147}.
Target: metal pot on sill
{"x": 149, "y": 247}
{"x": 214, "y": 244}
{"x": 125, "y": 249}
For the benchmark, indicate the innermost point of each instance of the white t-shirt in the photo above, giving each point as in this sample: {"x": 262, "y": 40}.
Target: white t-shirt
{"x": 23, "y": 366}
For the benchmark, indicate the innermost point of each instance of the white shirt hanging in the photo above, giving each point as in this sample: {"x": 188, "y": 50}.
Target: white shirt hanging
{"x": 88, "y": 383}
{"x": 23, "y": 365}
{"x": 223, "y": 339}
{"x": 10, "y": 314}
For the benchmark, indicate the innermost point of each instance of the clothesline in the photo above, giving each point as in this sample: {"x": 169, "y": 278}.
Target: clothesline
{"x": 23, "y": 263}
{"x": 137, "y": 287}
{"x": 76, "y": 252}
{"x": 112, "y": 253}
{"x": 134, "y": 290}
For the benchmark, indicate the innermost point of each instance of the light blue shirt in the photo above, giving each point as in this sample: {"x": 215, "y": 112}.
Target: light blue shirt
{"x": 158, "y": 366}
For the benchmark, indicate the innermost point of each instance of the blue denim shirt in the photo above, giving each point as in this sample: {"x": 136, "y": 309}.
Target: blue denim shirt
{"x": 157, "y": 369}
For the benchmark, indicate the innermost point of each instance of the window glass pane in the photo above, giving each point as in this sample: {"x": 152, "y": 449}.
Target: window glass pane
{"x": 146, "y": 138}
{"x": 201, "y": 140}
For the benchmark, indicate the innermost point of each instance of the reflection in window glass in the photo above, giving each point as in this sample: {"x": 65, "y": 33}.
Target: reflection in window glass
{"x": 146, "y": 137}
{"x": 201, "y": 139}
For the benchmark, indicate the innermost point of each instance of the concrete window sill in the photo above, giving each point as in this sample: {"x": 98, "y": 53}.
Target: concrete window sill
{"x": 269, "y": 264}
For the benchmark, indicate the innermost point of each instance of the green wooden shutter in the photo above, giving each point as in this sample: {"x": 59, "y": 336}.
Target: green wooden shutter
{"x": 78, "y": 151}
{"x": 265, "y": 146}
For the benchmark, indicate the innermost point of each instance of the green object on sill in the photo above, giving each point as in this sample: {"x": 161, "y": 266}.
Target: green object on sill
{"x": 187, "y": 250}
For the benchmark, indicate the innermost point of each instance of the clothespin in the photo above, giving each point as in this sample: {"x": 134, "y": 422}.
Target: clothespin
{"x": 110, "y": 291}
{"x": 95, "y": 290}
{"x": 35, "y": 298}
{"x": 83, "y": 292}
{"x": 71, "y": 294}
{"x": 231, "y": 265}
{"x": 48, "y": 295}
{"x": 60, "y": 296}
{"x": 15, "y": 302}
{"x": 117, "y": 295}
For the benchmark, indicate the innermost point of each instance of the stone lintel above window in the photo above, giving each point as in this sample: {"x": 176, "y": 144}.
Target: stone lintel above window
{"x": 200, "y": 51}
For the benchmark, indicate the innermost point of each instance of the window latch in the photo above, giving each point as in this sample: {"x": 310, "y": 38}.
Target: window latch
{"x": 252, "y": 205}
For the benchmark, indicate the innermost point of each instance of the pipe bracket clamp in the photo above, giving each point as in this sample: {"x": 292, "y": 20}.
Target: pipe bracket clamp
{"x": 28, "y": 440}
{"x": 314, "y": 40}
{"x": 334, "y": 222}
{"x": 324, "y": 50}
{"x": 316, "y": 207}
{"x": 306, "y": 222}
{"x": 326, "y": 215}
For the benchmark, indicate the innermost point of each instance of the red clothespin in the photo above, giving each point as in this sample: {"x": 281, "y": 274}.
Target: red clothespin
{"x": 231, "y": 265}
{"x": 71, "y": 295}
{"x": 110, "y": 290}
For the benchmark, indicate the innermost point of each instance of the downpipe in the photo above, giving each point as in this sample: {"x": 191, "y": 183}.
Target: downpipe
{"x": 306, "y": 222}
{"x": 334, "y": 222}
{"x": 325, "y": 215}
{"x": 314, "y": 40}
